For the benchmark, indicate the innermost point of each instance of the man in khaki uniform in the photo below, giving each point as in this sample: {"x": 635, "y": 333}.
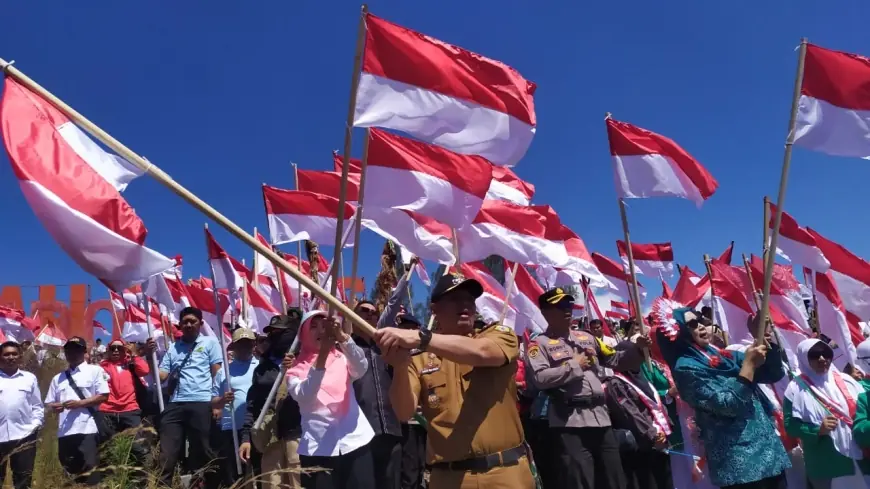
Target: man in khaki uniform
{"x": 464, "y": 381}
{"x": 569, "y": 365}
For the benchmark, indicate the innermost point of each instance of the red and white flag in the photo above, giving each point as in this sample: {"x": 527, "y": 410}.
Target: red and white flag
{"x": 529, "y": 235}
{"x": 260, "y": 310}
{"x": 421, "y": 235}
{"x": 226, "y": 275}
{"x": 490, "y": 304}
{"x": 524, "y": 298}
{"x": 646, "y": 164}
{"x": 443, "y": 94}
{"x": 327, "y": 183}
{"x": 618, "y": 282}
{"x": 726, "y": 255}
{"x": 74, "y": 188}
{"x": 579, "y": 258}
{"x": 51, "y": 335}
{"x": 419, "y": 268}
{"x": 834, "y": 109}
{"x": 295, "y": 216}
{"x": 135, "y": 327}
{"x": 204, "y": 300}
{"x": 653, "y": 260}
{"x": 99, "y": 328}
{"x": 851, "y": 274}
{"x": 419, "y": 177}
{"x": 618, "y": 310}
{"x": 355, "y": 164}
{"x": 796, "y": 244}
{"x": 16, "y": 325}
{"x": 834, "y": 321}
{"x": 507, "y": 186}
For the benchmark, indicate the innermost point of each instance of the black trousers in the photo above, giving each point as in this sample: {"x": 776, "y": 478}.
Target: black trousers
{"x": 387, "y": 461}
{"x": 79, "y": 455}
{"x": 118, "y": 422}
{"x": 189, "y": 421}
{"x": 775, "y": 482}
{"x": 647, "y": 469}
{"x": 21, "y": 455}
{"x": 589, "y": 458}
{"x": 226, "y": 453}
{"x": 413, "y": 456}
{"x": 352, "y": 470}
{"x": 540, "y": 440}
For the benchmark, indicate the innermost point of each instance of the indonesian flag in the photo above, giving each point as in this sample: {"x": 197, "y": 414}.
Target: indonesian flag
{"x": 327, "y": 183}
{"x": 785, "y": 291}
{"x": 295, "y": 216}
{"x": 226, "y": 275}
{"x": 204, "y": 300}
{"x": 834, "y": 109}
{"x": 796, "y": 244}
{"x": 16, "y": 325}
{"x": 731, "y": 306}
{"x": 135, "y": 327}
{"x": 99, "y": 328}
{"x": 850, "y": 273}
{"x": 443, "y": 94}
{"x": 618, "y": 310}
{"x": 260, "y": 310}
{"x": 414, "y": 176}
{"x": 692, "y": 289}
{"x": 523, "y": 297}
{"x": 490, "y": 304}
{"x": 74, "y": 188}
{"x": 529, "y": 235}
{"x": 355, "y": 164}
{"x": 834, "y": 322}
{"x": 726, "y": 255}
{"x": 618, "y": 282}
{"x": 646, "y": 164}
{"x": 267, "y": 277}
{"x": 666, "y": 290}
{"x": 51, "y": 335}
{"x": 422, "y": 236}
{"x": 579, "y": 258}
{"x": 507, "y": 186}
{"x": 652, "y": 260}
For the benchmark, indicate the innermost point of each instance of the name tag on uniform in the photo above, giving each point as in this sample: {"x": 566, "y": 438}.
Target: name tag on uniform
{"x": 430, "y": 369}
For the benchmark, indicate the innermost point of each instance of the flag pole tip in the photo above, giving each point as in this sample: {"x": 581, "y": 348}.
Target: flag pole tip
{"x": 364, "y": 8}
{"x": 608, "y": 116}
{"x": 4, "y": 65}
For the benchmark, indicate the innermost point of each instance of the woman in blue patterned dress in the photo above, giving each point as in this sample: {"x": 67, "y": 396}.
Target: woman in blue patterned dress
{"x": 742, "y": 448}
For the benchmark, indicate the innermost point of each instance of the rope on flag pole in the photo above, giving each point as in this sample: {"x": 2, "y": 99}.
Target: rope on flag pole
{"x": 167, "y": 181}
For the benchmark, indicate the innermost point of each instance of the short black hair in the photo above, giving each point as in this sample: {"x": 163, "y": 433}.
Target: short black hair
{"x": 99, "y": 340}
{"x": 364, "y": 301}
{"x": 190, "y": 311}
{"x": 595, "y": 322}
{"x": 10, "y": 343}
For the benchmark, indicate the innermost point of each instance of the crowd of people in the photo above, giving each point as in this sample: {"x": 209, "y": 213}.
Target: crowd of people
{"x": 463, "y": 405}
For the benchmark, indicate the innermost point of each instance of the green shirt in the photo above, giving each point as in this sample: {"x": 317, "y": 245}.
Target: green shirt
{"x": 821, "y": 459}
{"x": 653, "y": 374}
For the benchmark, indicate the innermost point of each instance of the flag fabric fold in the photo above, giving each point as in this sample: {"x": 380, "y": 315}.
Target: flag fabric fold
{"x": 443, "y": 94}
{"x": 523, "y": 297}
{"x": 491, "y": 303}
{"x": 422, "y": 236}
{"x": 652, "y": 260}
{"x": 327, "y": 183}
{"x": 797, "y": 244}
{"x": 507, "y": 186}
{"x": 295, "y": 216}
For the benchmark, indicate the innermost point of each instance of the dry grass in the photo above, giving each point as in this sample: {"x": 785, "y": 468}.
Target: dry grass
{"x": 115, "y": 454}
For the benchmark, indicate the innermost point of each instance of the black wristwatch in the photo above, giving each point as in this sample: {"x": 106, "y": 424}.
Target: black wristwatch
{"x": 425, "y": 338}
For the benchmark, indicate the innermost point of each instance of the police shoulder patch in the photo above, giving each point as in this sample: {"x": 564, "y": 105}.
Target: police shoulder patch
{"x": 534, "y": 351}
{"x": 503, "y": 329}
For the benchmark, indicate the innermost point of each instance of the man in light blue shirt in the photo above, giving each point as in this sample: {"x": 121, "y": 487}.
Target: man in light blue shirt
{"x": 241, "y": 376}
{"x": 188, "y": 368}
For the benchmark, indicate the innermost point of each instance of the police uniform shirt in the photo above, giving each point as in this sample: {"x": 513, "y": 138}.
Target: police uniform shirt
{"x": 471, "y": 412}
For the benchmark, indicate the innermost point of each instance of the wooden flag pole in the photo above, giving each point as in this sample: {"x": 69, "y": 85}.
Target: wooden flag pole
{"x": 298, "y": 248}
{"x": 508, "y": 287}
{"x": 161, "y": 176}
{"x": 765, "y": 249}
{"x": 154, "y": 363}
{"x": 359, "y": 215}
{"x": 635, "y": 295}
{"x": 754, "y": 291}
{"x": 780, "y": 201}
{"x": 715, "y": 309}
{"x": 348, "y": 134}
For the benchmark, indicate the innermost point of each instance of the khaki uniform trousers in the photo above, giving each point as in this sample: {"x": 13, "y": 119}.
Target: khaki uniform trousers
{"x": 279, "y": 467}
{"x": 517, "y": 476}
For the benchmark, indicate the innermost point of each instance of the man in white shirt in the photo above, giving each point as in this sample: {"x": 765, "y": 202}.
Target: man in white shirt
{"x": 21, "y": 416}
{"x": 75, "y": 394}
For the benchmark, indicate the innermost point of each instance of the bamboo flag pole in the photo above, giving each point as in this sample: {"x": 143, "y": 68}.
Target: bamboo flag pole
{"x": 508, "y": 287}
{"x": 765, "y": 249}
{"x": 348, "y": 134}
{"x": 715, "y": 309}
{"x": 780, "y": 201}
{"x": 188, "y": 196}
{"x": 226, "y": 361}
{"x": 298, "y": 245}
{"x": 748, "y": 268}
{"x": 359, "y": 214}
{"x": 635, "y": 296}
{"x": 154, "y": 363}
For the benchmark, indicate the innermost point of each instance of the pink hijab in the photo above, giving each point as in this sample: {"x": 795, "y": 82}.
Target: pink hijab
{"x": 333, "y": 393}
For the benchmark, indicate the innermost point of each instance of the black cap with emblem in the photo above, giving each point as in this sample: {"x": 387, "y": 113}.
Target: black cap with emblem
{"x": 455, "y": 281}
{"x": 554, "y": 298}
{"x": 284, "y": 321}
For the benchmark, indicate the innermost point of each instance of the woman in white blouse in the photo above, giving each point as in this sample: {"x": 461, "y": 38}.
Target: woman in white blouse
{"x": 335, "y": 433}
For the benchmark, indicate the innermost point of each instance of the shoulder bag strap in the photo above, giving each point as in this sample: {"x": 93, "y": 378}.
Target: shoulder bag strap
{"x": 78, "y": 391}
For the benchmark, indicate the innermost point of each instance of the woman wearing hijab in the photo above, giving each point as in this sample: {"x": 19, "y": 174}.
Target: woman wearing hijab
{"x": 733, "y": 417}
{"x": 335, "y": 432}
{"x": 819, "y": 408}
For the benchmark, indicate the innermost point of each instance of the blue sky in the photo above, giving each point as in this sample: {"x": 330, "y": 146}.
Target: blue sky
{"x": 222, "y": 95}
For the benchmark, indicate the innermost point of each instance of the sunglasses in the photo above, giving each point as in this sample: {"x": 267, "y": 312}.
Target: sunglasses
{"x": 116, "y": 348}
{"x": 815, "y": 355}
{"x": 367, "y": 312}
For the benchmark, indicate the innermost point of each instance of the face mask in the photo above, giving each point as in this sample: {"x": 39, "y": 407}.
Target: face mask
{"x": 279, "y": 343}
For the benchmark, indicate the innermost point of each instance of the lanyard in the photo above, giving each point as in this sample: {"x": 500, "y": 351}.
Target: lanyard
{"x": 655, "y": 405}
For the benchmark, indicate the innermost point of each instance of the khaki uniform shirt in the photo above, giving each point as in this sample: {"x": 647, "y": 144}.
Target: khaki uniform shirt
{"x": 577, "y": 396}
{"x": 471, "y": 411}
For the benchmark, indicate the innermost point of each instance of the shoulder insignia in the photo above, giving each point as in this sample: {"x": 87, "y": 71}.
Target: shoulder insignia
{"x": 503, "y": 329}
{"x": 534, "y": 351}
{"x": 553, "y": 342}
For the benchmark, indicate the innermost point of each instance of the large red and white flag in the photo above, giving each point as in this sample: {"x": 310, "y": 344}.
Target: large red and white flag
{"x": 507, "y": 186}
{"x": 851, "y": 274}
{"x": 355, "y": 164}
{"x": 51, "y": 335}
{"x": 267, "y": 278}
{"x": 653, "y": 260}
{"x": 16, "y": 325}
{"x": 530, "y": 235}
{"x": 834, "y": 321}
{"x": 796, "y": 244}
{"x": 490, "y": 305}
{"x": 834, "y": 110}
{"x": 421, "y": 235}
{"x": 226, "y": 273}
{"x": 74, "y": 188}
{"x": 523, "y": 297}
{"x": 618, "y": 282}
{"x": 618, "y": 310}
{"x": 579, "y": 258}
{"x": 296, "y": 216}
{"x": 423, "y": 178}
{"x": 327, "y": 183}
{"x": 135, "y": 327}
{"x": 204, "y": 300}
{"x": 260, "y": 310}
{"x": 646, "y": 164}
{"x": 443, "y": 94}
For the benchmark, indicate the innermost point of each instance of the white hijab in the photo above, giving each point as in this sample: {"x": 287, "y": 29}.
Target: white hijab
{"x": 808, "y": 409}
